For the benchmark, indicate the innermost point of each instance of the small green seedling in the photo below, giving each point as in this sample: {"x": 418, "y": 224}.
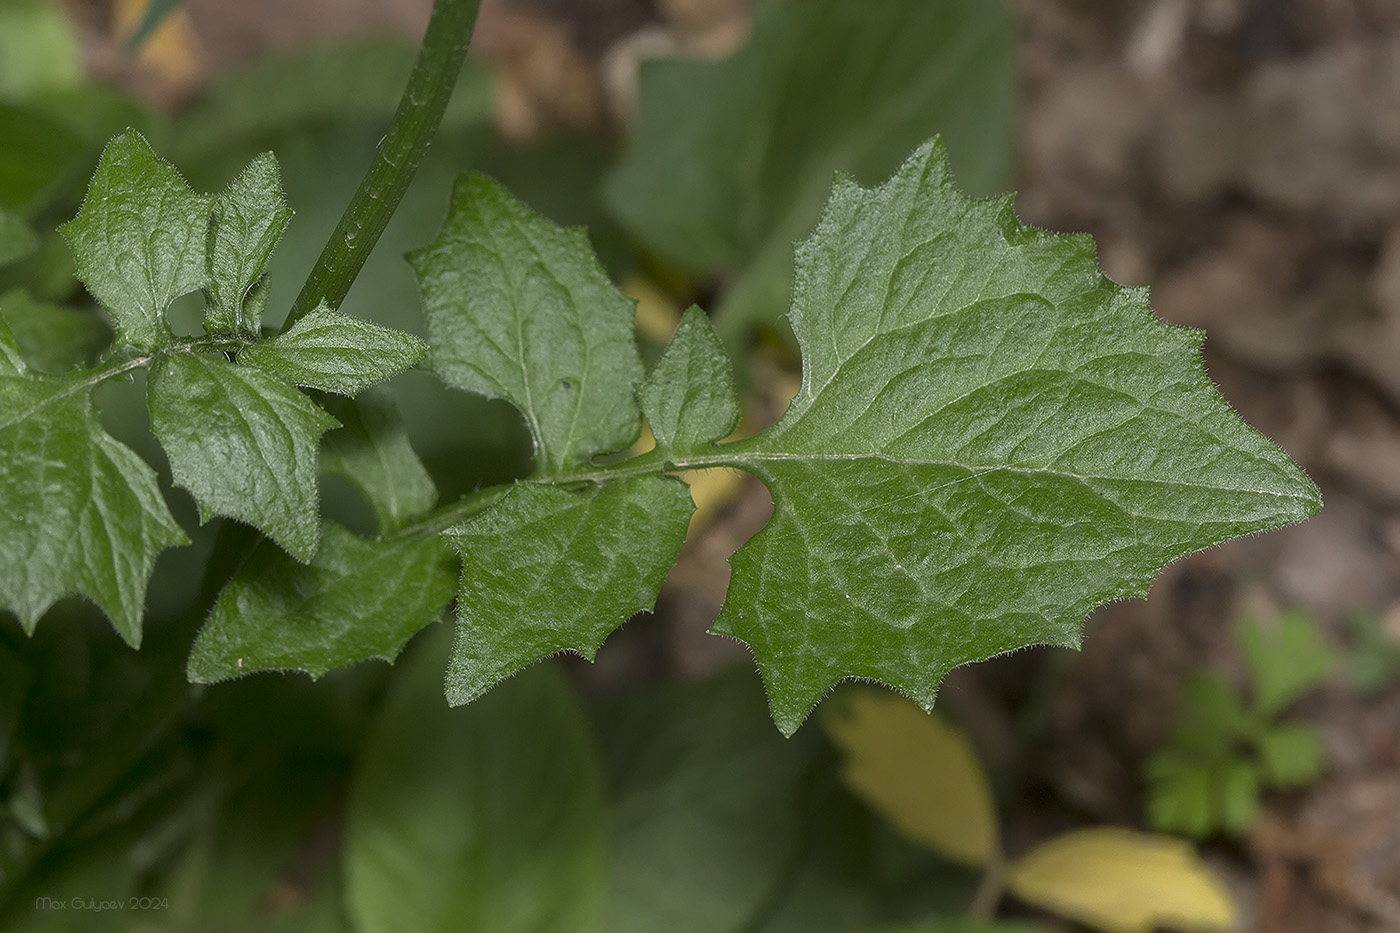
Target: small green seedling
{"x": 1225, "y": 749}
{"x": 1373, "y": 661}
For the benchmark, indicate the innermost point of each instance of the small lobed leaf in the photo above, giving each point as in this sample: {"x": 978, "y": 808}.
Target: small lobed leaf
{"x": 1122, "y": 881}
{"x": 689, "y": 397}
{"x": 1235, "y": 783}
{"x": 1181, "y": 797}
{"x": 139, "y": 240}
{"x": 246, "y": 222}
{"x": 990, "y": 440}
{"x": 917, "y": 772}
{"x": 371, "y": 450}
{"x": 1286, "y": 660}
{"x": 243, "y": 442}
{"x": 1374, "y": 658}
{"x": 335, "y": 352}
{"x": 484, "y": 818}
{"x": 519, "y": 309}
{"x": 79, "y": 512}
{"x": 1290, "y": 754}
{"x": 357, "y": 599}
{"x": 1212, "y": 720}
{"x": 549, "y": 569}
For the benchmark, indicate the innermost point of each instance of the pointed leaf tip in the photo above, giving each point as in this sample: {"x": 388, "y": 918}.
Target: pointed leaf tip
{"x": 991, "y": 439}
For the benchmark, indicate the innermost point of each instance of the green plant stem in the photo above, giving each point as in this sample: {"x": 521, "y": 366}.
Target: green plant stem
{"x": 396, "y": 160}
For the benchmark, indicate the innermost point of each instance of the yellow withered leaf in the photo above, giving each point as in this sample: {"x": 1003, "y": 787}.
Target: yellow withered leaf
{"x": 1123, "y": 881}
{"x": 919, "y": 773}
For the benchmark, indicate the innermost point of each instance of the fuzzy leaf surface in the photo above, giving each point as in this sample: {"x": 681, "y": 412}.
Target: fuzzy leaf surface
{"x": 79, "y": 512}
{"x": 140, "y": 239}
{"x": 689, "y": 396}
{"x": 991, "y": 439}
{"x": 731, "y": 161}
{"x": 335, "y": 352}
{"x": 549, "y": 569}
{"x": 371, "y": 450}
{"x": 245, "y": 224}
{"x": 519, "y": 309}
{"x": 359, "y": 598}
{"x": 243, "y": 442}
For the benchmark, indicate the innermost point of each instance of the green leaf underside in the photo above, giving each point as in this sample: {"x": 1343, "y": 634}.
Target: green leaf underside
{"x": 489, "y": 817}
{"x": 991, "y": 439}
{"x": 372, "y": 451}
{"x": 139, "y": 240}
{"x": 549, "y": 569}
{"x": 731, "y": 161}
{"x": 689, "y": 397}
{"x": 335, "y": 352}
{"x": 359, "y": 598}
{"x": 519, "y": 309}
{"x": 243, "y": 442}
{"x": 245, "y": 224}
{"x": 82, "y": 513}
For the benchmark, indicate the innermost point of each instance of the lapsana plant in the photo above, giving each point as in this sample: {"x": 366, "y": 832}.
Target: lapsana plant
{"x": 990, "y": 438}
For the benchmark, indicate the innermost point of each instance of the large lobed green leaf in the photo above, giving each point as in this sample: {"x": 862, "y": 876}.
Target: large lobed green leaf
{"x": 990, "y": 440}
{"x": 731, "y": 161}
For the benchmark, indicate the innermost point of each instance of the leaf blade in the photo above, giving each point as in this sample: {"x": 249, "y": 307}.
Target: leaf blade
{"x": 79, "y": 511}
{"x": 919, "y": 773}
{"x": 689, "y": 397}
{"x": 1062, "y": 446}
{"x": 731, "y": 161}
{"x": 243, "y": 442}
{"x": 548, "y": 569}
{"x": 489, "y": 817}
{"x": 358, "y": 599}
{"x": 335, "y": 352}
{"x": 519, "y": 309}
{"x": 1123, "y": 882}
{"x": 246, "y": 221}
{"x": 371, "y": 449}
{"x": 139, "y": 239}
